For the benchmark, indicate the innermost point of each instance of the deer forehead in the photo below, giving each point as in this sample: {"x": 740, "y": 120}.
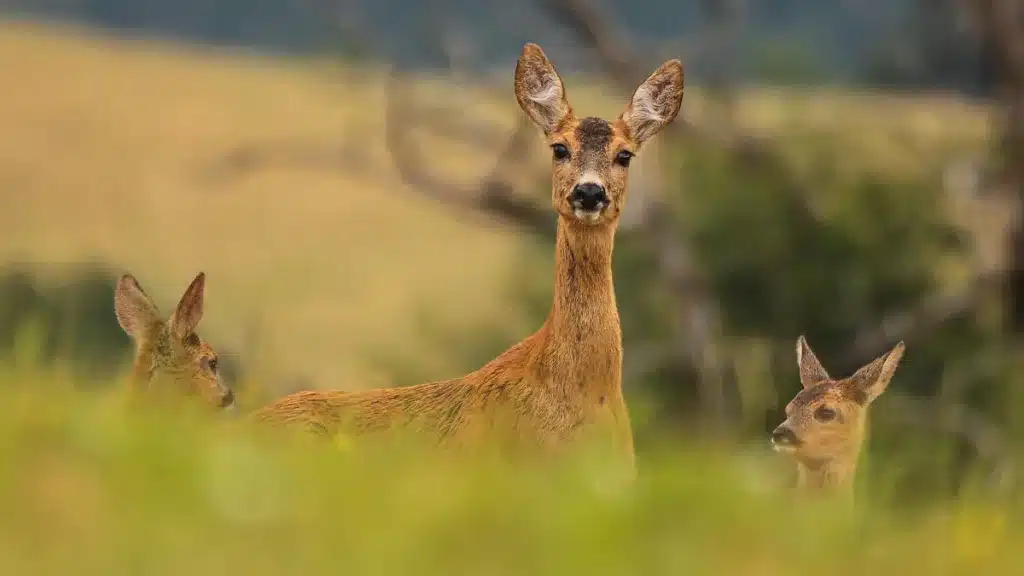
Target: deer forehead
{"x": 593, "y": 136}
{"x": 834, "y": 391}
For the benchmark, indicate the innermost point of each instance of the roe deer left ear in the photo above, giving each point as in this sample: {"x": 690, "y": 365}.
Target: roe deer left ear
{"x": 539, "y": 90}
{"x": 656, "y": 102}
{"x": 190, "y": 309}
{"x": 811, "y": 370}
{"x": 872, "y": 379}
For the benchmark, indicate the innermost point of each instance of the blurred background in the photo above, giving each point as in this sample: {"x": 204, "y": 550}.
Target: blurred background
{"x": 372, "y": 209}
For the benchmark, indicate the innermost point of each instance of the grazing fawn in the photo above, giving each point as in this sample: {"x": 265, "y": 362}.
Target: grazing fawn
{"x": 170, "y": 358}
{"x": 566, "y": 378}
{"x": 826, "y": 421}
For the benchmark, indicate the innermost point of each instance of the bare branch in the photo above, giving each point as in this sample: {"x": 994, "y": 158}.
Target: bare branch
{"x": 926, "y": 317}
{"x": 243, "y": 159}
{"x": 593, "y": 29}
{"x": 494, "y": 196}
{"x": 1003, "y": 20}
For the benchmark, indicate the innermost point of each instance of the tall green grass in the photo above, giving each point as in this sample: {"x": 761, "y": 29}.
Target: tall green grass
{"x": 88, "y": 486}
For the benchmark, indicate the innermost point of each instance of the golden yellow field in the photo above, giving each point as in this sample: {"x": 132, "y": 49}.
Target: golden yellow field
{"x": 107, "y": 152}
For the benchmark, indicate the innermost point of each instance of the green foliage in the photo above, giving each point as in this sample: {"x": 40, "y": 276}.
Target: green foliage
{"x": 849, "y": 253}
{"x": 87, "y": 488}
{"x": 62, "y": 314}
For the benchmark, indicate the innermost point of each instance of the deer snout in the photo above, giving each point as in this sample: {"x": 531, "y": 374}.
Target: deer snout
{"x": 784, "y": 437}
{"x": 589, "y": 196}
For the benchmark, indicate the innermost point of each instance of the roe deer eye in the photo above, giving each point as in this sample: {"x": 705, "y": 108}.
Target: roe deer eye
{"x": 623, "y": 158}
{"x": 561, "y": 151}
{"x": 824, "y": 414}
{"x": 211, "y": 365}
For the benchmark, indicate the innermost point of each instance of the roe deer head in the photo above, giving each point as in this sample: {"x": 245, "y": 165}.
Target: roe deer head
{"x": 826, "y": 421}
{"x": 170, "y": 357}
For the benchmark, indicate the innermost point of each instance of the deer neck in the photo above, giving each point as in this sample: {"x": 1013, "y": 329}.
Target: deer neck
{"x": 829, "y": 478}
{"x": 142, "y": 369}
{"x": 582, "y": 352}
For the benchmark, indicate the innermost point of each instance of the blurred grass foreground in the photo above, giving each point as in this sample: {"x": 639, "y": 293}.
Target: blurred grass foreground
{"x": 89, "y": 488}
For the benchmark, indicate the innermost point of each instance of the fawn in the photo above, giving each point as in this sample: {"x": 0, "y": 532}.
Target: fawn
{"x": 826, "y": 421}
{"x": 567, "y": 377}
{"x": 169, "y": 356}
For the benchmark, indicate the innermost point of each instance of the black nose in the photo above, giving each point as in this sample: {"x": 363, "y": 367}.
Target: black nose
{"x": 783, "y": 436}
{"x": 589, "y": 196}
{"x": 228, "y": 399}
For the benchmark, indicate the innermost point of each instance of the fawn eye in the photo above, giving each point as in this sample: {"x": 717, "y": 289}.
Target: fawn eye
{"x": 623, "y": 158}
{"x": 211, "y": 365}
{"x": 561, "y": 151}
{"x": 824, "y": 414}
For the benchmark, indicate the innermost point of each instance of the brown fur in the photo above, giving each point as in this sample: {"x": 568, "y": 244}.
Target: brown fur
{"x": 170, "y": 358}
{"x": 827, "y": 419}
{"x": 566, "y": 377}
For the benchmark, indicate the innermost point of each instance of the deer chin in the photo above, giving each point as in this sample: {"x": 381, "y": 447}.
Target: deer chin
{"x": 784, "y": 448}
{"x": 590, "y": 217}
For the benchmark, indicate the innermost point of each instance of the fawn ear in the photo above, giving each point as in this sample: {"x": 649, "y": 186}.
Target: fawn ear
{"x": 811, "y": 371}
{"x": 190, "y": 309}
{"x": 135, "y": 312}
{"x": 539, "y": 90}
{"x": 872, "y": 379}
{"x": 656, "y": 102}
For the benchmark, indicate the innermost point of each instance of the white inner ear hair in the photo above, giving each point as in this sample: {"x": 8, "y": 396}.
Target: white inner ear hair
{"x": 548, "y": 93}
{"x": 644, "y": 102}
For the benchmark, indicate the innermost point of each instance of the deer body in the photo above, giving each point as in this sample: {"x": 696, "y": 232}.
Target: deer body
{"x": 826, "y": 422}
{"x": 567, "y": 377}
{"x": 544, "y": 389}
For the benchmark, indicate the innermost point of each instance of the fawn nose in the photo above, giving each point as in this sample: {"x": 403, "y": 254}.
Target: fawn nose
{"x": 589, "y": 196}
{"x": 783, "y": 436}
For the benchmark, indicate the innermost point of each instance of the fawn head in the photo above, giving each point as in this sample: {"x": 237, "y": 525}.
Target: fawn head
{"x": 827, "y": 417}
{"x": 169, "y": 356}
{"x": 590, "y": 155}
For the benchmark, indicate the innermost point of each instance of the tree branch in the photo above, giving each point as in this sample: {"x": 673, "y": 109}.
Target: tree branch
{"x": 930, "y": 314}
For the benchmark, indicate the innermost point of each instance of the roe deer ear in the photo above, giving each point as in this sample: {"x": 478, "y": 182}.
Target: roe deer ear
{"x": 135, "y": 312}
{"x": 656, "y": 102}
{"x": 190, "y": 309}
{"x": 812, "y": 372}
{"x": 539, "y": 90}
{"x": 872, "y": 379}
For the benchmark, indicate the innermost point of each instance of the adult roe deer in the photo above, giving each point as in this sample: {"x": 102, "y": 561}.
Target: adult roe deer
{"x": 826, "y": 421}
{"x": 170, "y": 358}
{"x": 566, "y": 376}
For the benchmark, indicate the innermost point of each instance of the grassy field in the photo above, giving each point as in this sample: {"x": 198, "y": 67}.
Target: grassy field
{"x": 86, "y": 488}
{"x": 110, "y": 148}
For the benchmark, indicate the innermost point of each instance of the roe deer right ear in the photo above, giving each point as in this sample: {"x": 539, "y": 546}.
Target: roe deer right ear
{"x": 539, "y": 89}
{"x": 873, "y": 379}
{"x": 190, "y": 309}
{"x": 135, "y": 312}
{"x": 811, "y": 370}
